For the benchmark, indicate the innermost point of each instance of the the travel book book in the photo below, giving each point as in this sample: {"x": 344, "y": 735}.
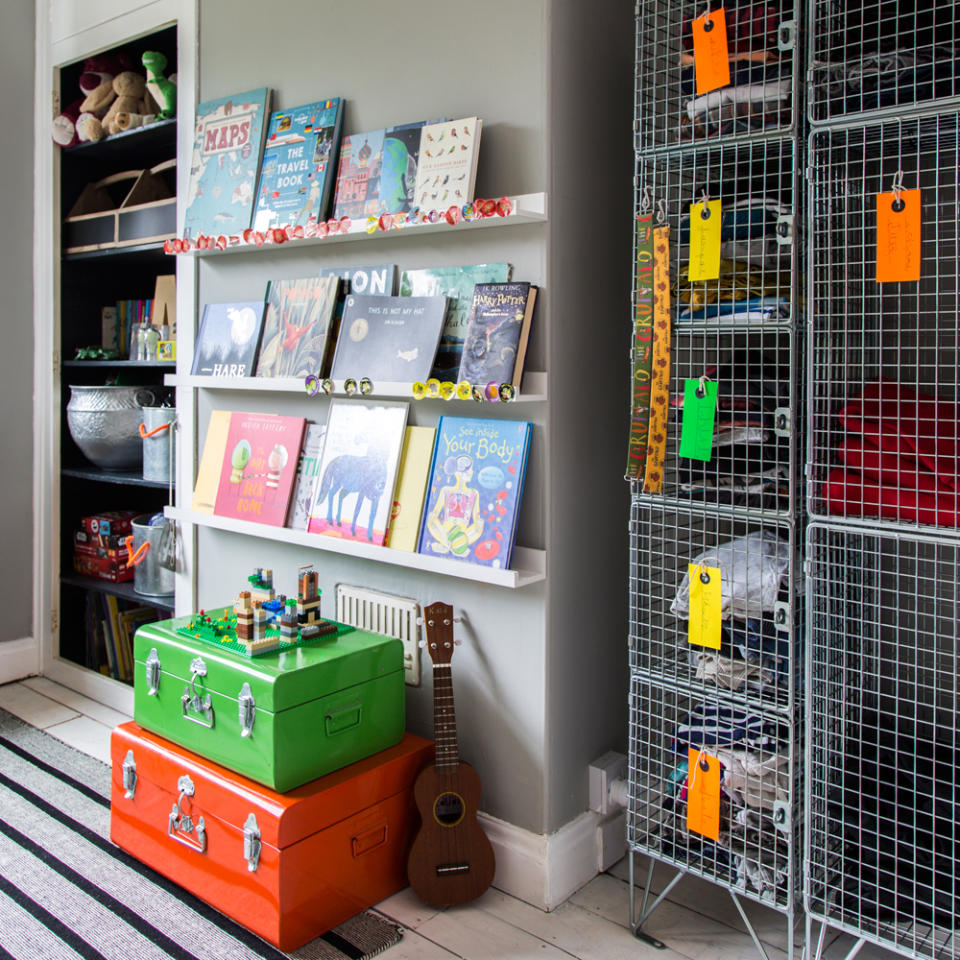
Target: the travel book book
{"x": 456, "y": 284}
{"x": 407, "y": 509}
{"x": 297, "y": 327}
{"x": 227, "y": 145}
{"x": 377, "y": 172}
{"x": 475, "y": 488}
{"x": 447, "y": 165}
{"x": 307, "y": 473}
{"x": 498, "y": 328}
{"x": 388, "y": 338}
{"x": 228, "y": 339}
{"x": 299, "y": 165}
{"x": 259, "y": 467}
{"x": 353, "y": 497}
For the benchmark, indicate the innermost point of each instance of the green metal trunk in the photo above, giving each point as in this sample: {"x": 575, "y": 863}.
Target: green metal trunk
{"x": 282, "y": 718}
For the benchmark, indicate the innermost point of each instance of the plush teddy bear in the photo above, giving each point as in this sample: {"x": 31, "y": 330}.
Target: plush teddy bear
{"x": 79, "y": 121}
{"x": 130, "y": 89}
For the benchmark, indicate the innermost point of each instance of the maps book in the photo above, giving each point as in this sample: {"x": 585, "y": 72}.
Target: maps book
{"x": 456, "y": 284}
{"x": 358, "y": 470}
{"x": 297, "y": 326}
{"x": 259, "y": 467}
{"x": 227, "y": 144}
{"x": 377, "y": 172}
{"x": 228, "y": 339}
{"x": 495, "y": 342}
{"x": 447, "y": 164}
{"x": 299, "y": 164}
{"x": 411, "y": 486}
{"x": 474, "y": 492}
{"x": 388, "y": 338}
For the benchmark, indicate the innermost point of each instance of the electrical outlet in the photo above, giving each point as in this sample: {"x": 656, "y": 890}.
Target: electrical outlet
{"x": 603, "y": 771}
{"x": 384, "y": 613}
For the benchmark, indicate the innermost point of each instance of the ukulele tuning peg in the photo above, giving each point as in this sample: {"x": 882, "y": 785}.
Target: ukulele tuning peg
{"x": 422, "y": 644}
{"x": 458, "y": 619}
{"x": 419, "y": 621}
{"x": 457, "y": 643}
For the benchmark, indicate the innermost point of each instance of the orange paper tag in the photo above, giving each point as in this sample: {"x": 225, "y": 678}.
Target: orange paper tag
{"x": 711, "y": 59}
{"x": 703, "y": 794}
{"x": 898, "y": 236}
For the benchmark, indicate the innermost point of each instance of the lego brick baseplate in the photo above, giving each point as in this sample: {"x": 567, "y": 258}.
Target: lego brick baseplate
{"x": 221, "y": 630}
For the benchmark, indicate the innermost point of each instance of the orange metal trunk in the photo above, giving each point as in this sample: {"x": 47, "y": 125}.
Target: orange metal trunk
{"x": 286, "y": 866}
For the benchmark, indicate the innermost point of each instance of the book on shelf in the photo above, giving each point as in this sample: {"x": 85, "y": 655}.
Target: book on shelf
{"x": 475, "y": 489}
{"x": 208, "y": 473}
{"x": 388, "y": 338}
{"x": 299, "y": 161}
{"x": 297, "y": 326}
{"x": 456, "y": 284}
{"x": 377, "y": 172}
{"x": 498, "y": 328}
{"x": 164, "y": 314}
{"x": 358, "y": 469}
{"x": 308, "y": 469}
{"x": 227, "y": 146}
{"x": 404, "y": 528}
{"x": 228, "y": 339}
{"x": 259, "y": 467}
{"x": 447, "y": 163}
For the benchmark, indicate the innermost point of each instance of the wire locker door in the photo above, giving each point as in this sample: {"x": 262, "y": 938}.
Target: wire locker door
{"x": 738, "y": 511}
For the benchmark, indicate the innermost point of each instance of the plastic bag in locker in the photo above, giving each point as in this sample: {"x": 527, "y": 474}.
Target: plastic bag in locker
{"x": 752, "y": 569}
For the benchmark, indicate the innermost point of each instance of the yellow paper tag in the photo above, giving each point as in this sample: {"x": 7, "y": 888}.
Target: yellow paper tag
{"x": 898, "y": 236}
{"x": 703, "y": 794}
{"x": 704, "y": 623}
{"x": 705, "y": 241}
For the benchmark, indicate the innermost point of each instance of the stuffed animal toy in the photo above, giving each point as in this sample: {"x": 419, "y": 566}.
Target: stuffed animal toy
{"x": 129, "y": 88}
{"x": 163, "y": 91}
{"x": 80, "y": 120}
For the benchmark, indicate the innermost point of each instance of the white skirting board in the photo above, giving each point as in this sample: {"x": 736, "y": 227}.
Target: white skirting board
{"x": 544, "y": 870}
{"x": 19, "y": 659}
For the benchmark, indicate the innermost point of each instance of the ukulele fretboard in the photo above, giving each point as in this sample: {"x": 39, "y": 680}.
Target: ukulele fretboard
{"x": 444, "y": 718}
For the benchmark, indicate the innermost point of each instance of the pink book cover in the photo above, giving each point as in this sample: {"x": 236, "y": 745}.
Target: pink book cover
{"x": 259, "y": 467}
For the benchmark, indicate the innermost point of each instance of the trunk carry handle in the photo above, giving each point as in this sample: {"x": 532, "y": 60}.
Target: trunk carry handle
{"x": 179, "y": 824}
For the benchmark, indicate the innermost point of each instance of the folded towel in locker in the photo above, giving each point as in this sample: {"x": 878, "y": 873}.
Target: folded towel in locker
{"x": 849, "y": 494}
{"x": 888, "y": 469}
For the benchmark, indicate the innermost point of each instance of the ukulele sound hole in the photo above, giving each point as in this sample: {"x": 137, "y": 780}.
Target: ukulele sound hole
{"x": 448, "y": 809}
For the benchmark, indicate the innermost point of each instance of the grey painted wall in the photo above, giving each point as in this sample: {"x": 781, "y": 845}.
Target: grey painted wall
{"x": 16, "y": 312}
{"x": 538, "y": 692}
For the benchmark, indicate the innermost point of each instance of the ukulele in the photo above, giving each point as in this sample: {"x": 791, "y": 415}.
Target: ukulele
{"x": 451, "y": 860}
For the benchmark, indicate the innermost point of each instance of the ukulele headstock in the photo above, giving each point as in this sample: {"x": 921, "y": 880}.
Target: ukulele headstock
{"x": 438, "y": 621}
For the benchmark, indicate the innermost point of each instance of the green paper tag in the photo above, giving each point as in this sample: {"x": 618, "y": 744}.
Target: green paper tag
{"x": 696, "y": 430}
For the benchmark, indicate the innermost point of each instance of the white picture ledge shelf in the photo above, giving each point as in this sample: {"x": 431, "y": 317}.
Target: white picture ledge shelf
{"x": 531, "y": 564}
{"x": 526, "y": 208}
{"x": 534, "y": 389}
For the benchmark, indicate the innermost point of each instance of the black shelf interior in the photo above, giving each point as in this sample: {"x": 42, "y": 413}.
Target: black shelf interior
{"x": 124, "y": 590}
{"x": 134, "y": 477}
{"x": 90, "y": 281}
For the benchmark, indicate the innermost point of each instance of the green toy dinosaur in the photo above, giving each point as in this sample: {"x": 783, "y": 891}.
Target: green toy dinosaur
{"x": 162, "y": 90}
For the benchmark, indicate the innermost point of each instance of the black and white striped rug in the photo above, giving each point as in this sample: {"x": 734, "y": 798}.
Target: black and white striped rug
{"x": 67, "y": 893}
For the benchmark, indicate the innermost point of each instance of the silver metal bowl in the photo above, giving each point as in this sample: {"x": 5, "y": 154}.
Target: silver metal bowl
{"x": 104, "y": 423}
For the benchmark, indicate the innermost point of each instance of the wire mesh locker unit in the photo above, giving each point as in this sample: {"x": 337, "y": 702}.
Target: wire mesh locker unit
{"x": 884, "y": 376}
{"x": 761, "y": 98}
{"x": 883, "y": 769}
{"x": 881, "y": 56}
{"x": 756, "y": 851}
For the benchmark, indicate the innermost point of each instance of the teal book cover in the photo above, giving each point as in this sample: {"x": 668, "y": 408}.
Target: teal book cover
{"x": 456, "y": 284}
{"x": 475, "y": 489}
{"x": 299, "y": 162}
{"x": 227, "y": 145}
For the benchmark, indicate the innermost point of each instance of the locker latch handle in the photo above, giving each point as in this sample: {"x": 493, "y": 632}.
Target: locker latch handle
{"x": 152, "y": 668}
{"x": 193, "y": 706}
{"x": 129, "y": 772}
{"x": 248, "y": 710}
{"x": 251, "y": 843}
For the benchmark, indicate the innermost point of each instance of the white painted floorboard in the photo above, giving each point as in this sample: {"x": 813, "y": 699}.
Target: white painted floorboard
{"x": 697, "y": 922}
